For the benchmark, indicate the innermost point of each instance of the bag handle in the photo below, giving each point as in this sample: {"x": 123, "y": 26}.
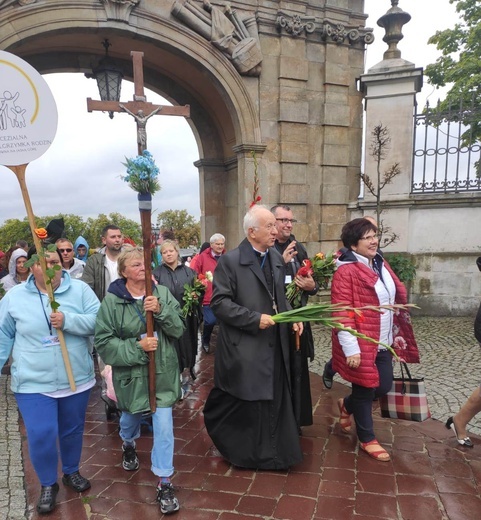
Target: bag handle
{"x": 404, "y": 367}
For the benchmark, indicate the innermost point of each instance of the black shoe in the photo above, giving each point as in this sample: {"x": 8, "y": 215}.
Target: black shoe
{"x": 167, "y": 500}
{"x": 48, "y": 496}
{"x": 206, "y": 347}
{"x": 326, "y": 378}
{"x": 76, "y": 482}
{"x": 464, "y": 442}
{"x": 130, "y": 461}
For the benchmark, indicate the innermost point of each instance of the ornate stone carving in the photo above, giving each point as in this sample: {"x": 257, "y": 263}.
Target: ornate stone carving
{"x": 232, "y": 34}
{"x": 296, "y": 24}
{"x": 336, "y": 32}
{"x": 6, "y": 3}
{"x": 119, "y": 9}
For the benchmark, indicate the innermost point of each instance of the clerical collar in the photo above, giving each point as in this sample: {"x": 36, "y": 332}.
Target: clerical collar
{"x": 260, "y": 253}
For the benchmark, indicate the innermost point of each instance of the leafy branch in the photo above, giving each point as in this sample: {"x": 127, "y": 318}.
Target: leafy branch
{"x": 50, "y": 271}
{"x": 379, "y": 149}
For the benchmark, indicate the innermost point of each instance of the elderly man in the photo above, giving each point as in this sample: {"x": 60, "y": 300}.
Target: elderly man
{"x": 67, "y": 252}
{"x": 294, "y": 253}
{"x": 207, "y": 261}
{"x": 249, "y": 413}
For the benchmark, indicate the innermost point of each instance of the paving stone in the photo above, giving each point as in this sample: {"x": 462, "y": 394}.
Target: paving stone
{"x": 430, "y": 475}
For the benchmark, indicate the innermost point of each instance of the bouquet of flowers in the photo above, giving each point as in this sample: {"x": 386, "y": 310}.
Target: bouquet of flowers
{"x": 321, "y": 268}
{"x": 193, "y": 293}
{"x": 142, "y": 173}
{"x": 322, "y": 313}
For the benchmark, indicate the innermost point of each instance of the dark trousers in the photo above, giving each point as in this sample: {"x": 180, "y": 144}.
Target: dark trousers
{"x": 359, "y": 403}
{"x": 209, "y": 324}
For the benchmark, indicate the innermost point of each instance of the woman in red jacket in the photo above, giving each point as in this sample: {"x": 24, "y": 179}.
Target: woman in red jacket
{"x": 363, "y": 278}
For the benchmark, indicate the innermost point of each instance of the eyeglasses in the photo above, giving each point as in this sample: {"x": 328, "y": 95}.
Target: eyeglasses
{"x": 287, "y": 220}
{"x": 371, "y": 238}
{"x": 67, "y": 250}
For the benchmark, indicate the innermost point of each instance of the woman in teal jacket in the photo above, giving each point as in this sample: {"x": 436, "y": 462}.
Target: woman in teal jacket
{"x": 51, "y": 411}
{"x": 121, "y": 342}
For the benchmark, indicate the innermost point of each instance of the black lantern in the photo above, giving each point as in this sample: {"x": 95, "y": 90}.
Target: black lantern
{"x": 108, "y": 76}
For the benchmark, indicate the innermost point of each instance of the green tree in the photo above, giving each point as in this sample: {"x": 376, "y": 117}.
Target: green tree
{"x": 94, "y": 227}
{"x": 185, "y": 227}
{"x": 459, "y": 66}
{"x": 15, "y": 229}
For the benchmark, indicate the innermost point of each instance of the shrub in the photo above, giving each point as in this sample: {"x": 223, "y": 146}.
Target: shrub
{"x": 403, "y": 266}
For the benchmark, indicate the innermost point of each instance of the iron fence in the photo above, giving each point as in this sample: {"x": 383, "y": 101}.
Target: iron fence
{"x": 446, "y": 159}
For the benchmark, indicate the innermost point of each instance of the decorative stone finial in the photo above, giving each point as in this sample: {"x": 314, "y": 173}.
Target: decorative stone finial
{"x": 393, "y": 22}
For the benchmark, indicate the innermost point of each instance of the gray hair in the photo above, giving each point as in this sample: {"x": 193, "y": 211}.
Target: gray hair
{"x": 251, "y": 218}
{"x": 285, "y": 207}
{"x": 127, "y": 254}
{"x": 215, "y": 237}
{"x": 60, "y": 240}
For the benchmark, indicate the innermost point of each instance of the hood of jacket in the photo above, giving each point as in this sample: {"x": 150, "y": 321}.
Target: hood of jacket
{"x": 118, "y": 288}
{"x": 12, "y": 264}
{"x": 64, "y": 285}
{"x": 81, "y": 242}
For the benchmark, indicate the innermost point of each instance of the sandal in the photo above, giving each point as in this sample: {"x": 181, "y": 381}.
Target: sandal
{"x": 377, "y": 452}
{"x": 344, "y": 416}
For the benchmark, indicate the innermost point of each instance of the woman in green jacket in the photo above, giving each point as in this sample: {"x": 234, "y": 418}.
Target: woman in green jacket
{"x": 121, "y": 342}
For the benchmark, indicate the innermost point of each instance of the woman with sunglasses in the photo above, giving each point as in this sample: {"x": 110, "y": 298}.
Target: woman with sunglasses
{"x": 363, "y": 278}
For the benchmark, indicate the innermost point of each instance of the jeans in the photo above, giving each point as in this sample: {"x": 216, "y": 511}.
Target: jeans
{"x": 47, "y": 419}
{"x": 162, "y": 455}
{"x": 359, "y": 403}
{"x": 209, "y": 324}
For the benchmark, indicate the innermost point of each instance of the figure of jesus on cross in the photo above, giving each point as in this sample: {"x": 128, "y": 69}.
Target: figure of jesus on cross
{"x": 140, "y": 109}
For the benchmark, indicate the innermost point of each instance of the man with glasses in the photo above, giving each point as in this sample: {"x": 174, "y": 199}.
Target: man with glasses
{"x": 66, "y": 251}
{"x": 294, "y": 253}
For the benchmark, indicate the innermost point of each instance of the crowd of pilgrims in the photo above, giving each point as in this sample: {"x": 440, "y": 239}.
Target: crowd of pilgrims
{"x": 254, "y": 413}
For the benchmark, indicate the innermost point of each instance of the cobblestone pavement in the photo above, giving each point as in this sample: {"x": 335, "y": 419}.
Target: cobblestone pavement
{"x": 450, "y": 364}
{"x": 12, "y": 488}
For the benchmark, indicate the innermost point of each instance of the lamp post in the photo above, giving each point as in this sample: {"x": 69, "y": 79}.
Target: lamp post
{"x": 108, "y": 76}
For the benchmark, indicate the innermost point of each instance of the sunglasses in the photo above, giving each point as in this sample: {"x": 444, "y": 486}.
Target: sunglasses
{"x": 66, "y": 250}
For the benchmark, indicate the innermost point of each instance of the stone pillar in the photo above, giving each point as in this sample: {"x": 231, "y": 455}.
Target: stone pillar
{"x": 390, "y": 89}
{"x": 212, "y": 177}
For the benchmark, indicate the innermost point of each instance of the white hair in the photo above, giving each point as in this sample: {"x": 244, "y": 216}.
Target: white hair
{"x": 251, "y": 218}
{"x": 215, "y": 237}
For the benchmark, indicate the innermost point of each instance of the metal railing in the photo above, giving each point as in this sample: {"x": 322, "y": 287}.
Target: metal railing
{"x": 446, "y": 159}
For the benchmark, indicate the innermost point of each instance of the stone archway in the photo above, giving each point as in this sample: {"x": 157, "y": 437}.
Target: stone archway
{"x": 299, "y": 110}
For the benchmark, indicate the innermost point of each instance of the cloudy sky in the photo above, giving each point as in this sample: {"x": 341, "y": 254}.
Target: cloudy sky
{"x": 80, "y": 172}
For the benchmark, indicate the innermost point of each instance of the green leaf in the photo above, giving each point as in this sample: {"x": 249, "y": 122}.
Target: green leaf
{"x": 33, "y": 259}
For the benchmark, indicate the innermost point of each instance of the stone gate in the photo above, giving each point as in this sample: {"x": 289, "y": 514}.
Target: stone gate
{"x": 277, "y": 79}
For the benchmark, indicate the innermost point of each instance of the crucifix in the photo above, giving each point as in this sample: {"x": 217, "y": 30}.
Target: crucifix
{"x": 140, "y": 109}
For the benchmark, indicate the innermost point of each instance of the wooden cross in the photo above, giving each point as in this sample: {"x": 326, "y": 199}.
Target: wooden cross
{"x": 140, "y": 109}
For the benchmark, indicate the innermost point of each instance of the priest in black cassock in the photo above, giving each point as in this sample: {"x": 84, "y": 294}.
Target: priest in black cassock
{"x": 249, "y": 413}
